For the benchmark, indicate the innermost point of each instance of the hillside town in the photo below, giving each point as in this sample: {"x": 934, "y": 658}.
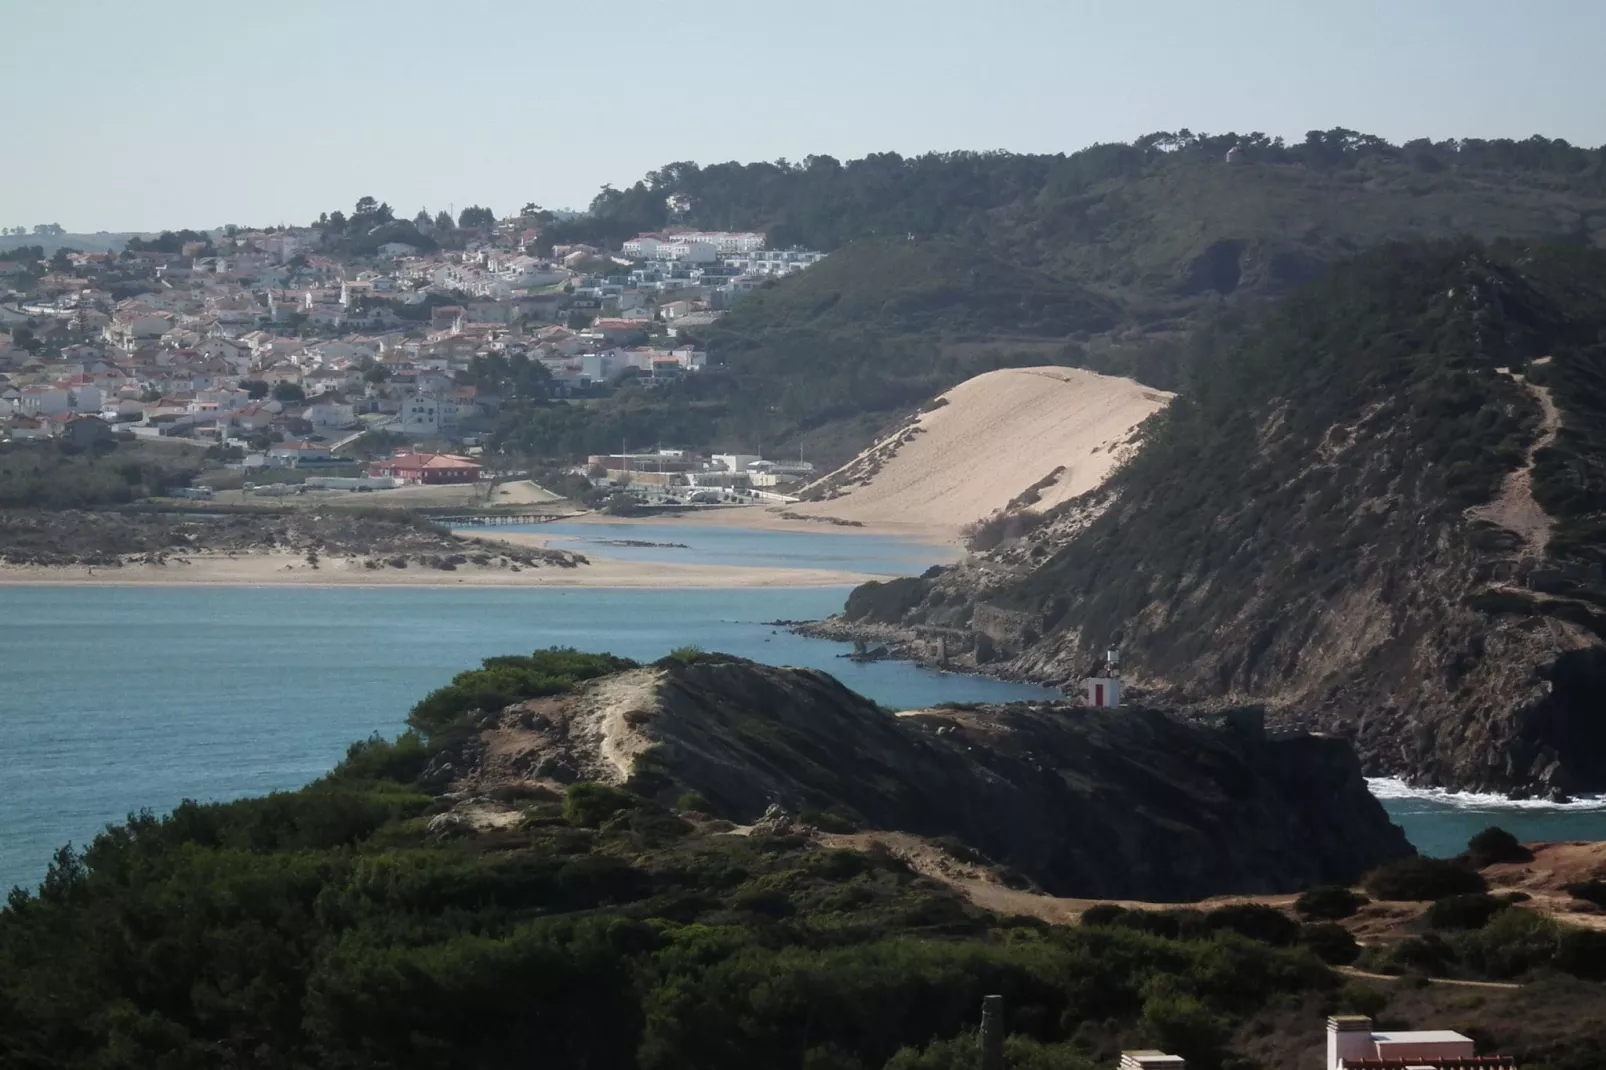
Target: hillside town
{"x": 283, "y": 345}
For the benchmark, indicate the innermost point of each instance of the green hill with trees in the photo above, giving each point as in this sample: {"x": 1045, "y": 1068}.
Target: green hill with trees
{"x": 947, "y": 265}
{"x": 343, "y": 926}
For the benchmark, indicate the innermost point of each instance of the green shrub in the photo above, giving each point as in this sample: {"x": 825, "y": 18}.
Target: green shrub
{"x": 1330, "y": 942}
{"x": 1430, "y": 954}
{"x": 1330, "y": 902}
{"x": 1464, "y": 911}
{"x": 1422, "y": 879}
{"x": 1495, "y": 845}
{"x": 1582, "y": 953}
{"x": 1590, "y": 891}
{"x": 835, "y": 818}
{"x": 1103, "y": 914}
{"x": 502, "y": 681}
{"x": 589, "y": 804}
{"x": 1358, "y": 998}
{"x": 695, "y": 802}
{"x": 1257, "y": 922}
{"x": 689, "y": 654}
{"x": 376, "y": 758}
{"x": 1182, "y": 1025}
{"x": 1514, "y": 943}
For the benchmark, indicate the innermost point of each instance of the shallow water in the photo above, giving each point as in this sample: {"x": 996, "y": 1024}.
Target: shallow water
{"x": 687, "y": 544}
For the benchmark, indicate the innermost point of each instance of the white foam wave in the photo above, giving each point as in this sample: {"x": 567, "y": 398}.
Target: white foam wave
{"x": 1392, "y": 788}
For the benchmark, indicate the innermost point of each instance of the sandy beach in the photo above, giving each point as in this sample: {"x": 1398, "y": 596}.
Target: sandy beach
{"x": 289, "y": 570}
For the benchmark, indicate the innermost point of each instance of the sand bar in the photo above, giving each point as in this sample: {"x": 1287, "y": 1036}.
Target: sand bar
{"x": 289, "y": 570}
{"x": 768, "y": 518}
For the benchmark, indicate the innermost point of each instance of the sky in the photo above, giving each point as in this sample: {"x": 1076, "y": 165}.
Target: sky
{"x": 152, "y": 114}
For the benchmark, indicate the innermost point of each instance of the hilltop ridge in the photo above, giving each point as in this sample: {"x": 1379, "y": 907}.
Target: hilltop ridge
{"x": 947, "y": 266}
{"x": 1129, "y": 804}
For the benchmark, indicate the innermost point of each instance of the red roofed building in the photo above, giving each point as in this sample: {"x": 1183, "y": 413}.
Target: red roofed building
{"x": 427, "y": 468}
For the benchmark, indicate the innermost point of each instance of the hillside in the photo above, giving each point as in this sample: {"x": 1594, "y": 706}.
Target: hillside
{"x": 1380, "y": 511}
{"x": 1083, "y": 802}
{"x": 1038, "y": 435}
{"x": 947, "y": 266}
{"x": 389, "y": 916}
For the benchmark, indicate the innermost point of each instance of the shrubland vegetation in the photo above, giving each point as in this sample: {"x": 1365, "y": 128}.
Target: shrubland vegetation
{"x": 56, "y": 475}
{"x": 331, "y": 927}
{"x": 948, "y": 265}
{"x": 328, "y": 927}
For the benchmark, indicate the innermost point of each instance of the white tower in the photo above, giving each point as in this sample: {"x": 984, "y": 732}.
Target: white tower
{"x": 1102, "y": 690}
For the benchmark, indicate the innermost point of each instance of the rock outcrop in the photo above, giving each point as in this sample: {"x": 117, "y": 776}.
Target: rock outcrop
{"x": 1120, "y": 804}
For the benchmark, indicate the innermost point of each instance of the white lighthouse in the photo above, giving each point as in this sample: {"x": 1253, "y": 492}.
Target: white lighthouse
{"x": 1102, "y": 689}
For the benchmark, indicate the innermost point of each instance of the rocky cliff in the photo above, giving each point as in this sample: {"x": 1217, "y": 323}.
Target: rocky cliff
{"x": 1127, "y": 804}
{"x": 1378, "y": 510}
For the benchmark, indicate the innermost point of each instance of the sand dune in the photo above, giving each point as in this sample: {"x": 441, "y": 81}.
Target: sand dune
{"x": 996, "y": 436}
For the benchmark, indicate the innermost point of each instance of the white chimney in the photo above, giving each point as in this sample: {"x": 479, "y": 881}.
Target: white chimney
{"x": 1349, "y": 1038}
{"x": 1151, "y": 1060}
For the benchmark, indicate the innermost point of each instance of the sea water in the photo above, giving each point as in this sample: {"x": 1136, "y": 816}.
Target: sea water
{"x": 1441, "y": 822}
{"x": 119, "y": 698}
{"x": 116, "y": 699}
{"x": 671, "y": 544}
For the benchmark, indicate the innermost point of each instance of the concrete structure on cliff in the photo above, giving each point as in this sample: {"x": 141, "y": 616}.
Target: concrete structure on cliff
{"x": 1352, "y": 1045}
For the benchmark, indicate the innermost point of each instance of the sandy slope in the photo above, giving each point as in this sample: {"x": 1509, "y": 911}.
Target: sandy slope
{"x": 998, "y": 434}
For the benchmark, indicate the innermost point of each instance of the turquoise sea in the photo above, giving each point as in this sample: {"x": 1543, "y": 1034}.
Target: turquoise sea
{"x": 116, "y": 699}
{"x": 841, "y": 550}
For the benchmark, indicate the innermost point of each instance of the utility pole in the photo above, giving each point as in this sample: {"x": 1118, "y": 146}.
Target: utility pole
{"x": 992, "y": 1033}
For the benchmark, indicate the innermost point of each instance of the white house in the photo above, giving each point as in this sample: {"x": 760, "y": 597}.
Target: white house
{"x": 330, "y": 415}
{"x": 422, "y": 415}
{"x": 44, "y": 401}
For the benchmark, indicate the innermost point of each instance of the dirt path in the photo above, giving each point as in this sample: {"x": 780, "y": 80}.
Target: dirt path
{"x": 1351, "y": 971}
{"x": 1515, "y": 508}
{"x": 979, "y": 883}
{"x": 607, "y": 707}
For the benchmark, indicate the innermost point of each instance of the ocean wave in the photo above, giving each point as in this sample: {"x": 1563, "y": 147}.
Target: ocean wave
{"x": 1390, "y": 789}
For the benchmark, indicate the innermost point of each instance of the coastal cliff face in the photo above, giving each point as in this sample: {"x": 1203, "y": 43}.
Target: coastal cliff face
{"x": 1379, "y": 512}
{"x": 1115, "y": 804}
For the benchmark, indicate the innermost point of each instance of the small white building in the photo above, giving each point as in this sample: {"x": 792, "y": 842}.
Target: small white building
{"x": 330, "y": 415}
{"x": 1151, "y": 1060}
{"x": 1352, "y": 1043}
{"x": 735, "y": 462}
{"x": 1102, "y": 692}
{"x": 1102, "y": 687}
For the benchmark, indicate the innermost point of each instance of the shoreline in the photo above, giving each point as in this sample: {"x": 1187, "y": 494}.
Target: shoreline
{"x": 768, "y": 518}
{"x": 291, "y": 570}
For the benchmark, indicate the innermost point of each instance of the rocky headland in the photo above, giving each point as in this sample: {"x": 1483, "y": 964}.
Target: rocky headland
{"x": 1125, "y": 804}
{"x": 1378, "y": 512}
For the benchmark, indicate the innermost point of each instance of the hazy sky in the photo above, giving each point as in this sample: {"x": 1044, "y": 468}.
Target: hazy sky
{"x": 144, "y": 114}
